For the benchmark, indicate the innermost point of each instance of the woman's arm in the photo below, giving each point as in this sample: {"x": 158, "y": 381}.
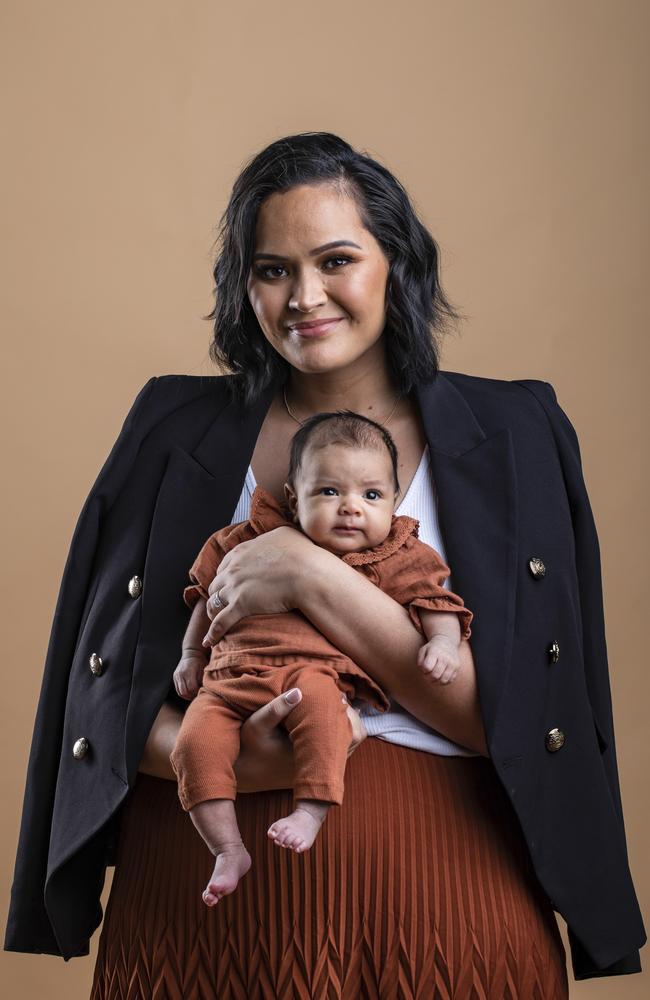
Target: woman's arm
{"x": 282, "y": 569}
{"x": 377, "y": 633}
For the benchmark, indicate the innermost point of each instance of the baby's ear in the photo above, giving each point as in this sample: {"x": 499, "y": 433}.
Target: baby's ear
{"x": 292, "y": 500}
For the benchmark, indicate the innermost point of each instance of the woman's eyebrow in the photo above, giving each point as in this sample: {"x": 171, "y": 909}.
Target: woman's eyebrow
{"x": 312, "y": 253}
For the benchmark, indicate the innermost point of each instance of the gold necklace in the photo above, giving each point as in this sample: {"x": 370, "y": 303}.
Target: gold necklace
{"x": 301, "y": 422}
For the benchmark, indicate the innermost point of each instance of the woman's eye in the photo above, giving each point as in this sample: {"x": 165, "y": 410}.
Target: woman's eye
{"x": 346, "y": 260}
{"x": 263, "y": 271}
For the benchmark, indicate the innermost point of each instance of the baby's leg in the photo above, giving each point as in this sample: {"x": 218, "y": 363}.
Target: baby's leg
{"x": 206, "y": 747}
{"x": 321, "y": 734}
{"x": 216, "y": 822}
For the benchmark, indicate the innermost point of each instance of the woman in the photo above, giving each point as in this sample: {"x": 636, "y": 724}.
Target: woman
{"x": 479, "y": 807}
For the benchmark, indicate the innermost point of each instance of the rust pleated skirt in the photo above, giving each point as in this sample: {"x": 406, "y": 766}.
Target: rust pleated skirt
{"x": 419, "y": 885}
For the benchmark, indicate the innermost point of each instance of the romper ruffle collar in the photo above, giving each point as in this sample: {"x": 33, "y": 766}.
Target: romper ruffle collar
{"x": 267, "y": 513}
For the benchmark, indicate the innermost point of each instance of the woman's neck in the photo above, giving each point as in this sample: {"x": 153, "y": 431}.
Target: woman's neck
{"x": 371, "y": 394}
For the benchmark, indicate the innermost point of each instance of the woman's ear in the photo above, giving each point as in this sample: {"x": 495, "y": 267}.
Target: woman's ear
{"x": 292, "y": 501}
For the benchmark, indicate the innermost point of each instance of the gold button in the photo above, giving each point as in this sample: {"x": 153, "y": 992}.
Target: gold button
{"x": 80, "y": 749}
{"x": 536, "y": 567}
{"x": 554, "y": 651}
{"x": 135, "y": 586}
{"x": 554, "y": 740}
{"x": 96, "y": 664}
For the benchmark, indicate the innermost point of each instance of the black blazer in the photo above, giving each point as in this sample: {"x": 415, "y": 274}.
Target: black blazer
{"x": 507, "y": 469}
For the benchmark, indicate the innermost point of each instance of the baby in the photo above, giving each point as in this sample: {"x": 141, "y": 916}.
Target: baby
{"x": 341, "y": 492}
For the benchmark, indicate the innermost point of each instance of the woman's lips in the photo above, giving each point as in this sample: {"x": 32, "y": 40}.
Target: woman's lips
{"x": 315, "y": 329}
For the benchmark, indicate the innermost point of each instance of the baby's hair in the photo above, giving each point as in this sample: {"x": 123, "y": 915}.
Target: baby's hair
{"x": 339, "y": 427}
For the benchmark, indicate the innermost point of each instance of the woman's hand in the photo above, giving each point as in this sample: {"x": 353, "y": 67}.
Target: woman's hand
{"x": 266, "y": 759}
{"x": 261, "y": 576}
{"x": 266, "y": 755}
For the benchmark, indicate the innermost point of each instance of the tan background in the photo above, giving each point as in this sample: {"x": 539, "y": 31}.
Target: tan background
{"x": 519, "y": 128}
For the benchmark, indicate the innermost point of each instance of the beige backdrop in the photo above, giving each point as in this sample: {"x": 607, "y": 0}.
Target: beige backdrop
{"x": 518, "y": 126}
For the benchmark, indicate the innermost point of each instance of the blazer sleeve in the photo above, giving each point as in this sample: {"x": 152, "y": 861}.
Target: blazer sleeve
{"x": 589, "y": 578}
{"x": 28, "y": 925}
{"x": 596, "y": 668}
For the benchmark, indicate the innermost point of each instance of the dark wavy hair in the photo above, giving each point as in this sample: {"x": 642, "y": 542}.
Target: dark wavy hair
{"x": 339, "y": 427}
{"x": 418, "y": 312}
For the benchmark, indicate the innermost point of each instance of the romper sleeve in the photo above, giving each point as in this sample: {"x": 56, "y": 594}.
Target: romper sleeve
{"x": 204, "y": 568}
{"x": 414, "y": 577}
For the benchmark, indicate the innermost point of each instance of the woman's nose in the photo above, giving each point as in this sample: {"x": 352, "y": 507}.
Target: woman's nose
{"x": 307, "y": 293}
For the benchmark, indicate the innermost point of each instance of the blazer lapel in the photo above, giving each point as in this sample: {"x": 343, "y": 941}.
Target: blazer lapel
{"x": 225, "y": 450}
{"x": 475, "y": 481}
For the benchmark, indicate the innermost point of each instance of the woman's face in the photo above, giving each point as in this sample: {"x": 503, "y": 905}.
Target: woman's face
{"x": 293, "y": 280}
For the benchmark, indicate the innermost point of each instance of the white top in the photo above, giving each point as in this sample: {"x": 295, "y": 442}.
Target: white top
{"x": 396, "y": 725}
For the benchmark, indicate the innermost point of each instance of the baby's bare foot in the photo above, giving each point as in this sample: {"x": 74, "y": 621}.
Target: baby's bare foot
{"x": 233, "y": 861}
{"x": 298, "y": 831}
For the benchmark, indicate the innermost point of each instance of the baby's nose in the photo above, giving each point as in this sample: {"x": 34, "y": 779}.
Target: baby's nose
{"x": 350, "y": 504}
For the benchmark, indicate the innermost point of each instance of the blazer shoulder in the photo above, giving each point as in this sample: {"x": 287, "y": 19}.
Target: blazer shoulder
{"x": 468, "y": 384}
{"x": 502, "y": 396}
{"x": 167, "y": 393}
{"x": 162, "y": 398}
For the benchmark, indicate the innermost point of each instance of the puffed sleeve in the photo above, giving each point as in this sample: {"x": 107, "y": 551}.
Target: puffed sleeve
{"x": 414, "y": 576}
{"x": 203, "y": 570}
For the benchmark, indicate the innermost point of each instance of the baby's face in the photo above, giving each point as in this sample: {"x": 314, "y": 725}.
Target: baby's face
{"x": 344, "y": 497}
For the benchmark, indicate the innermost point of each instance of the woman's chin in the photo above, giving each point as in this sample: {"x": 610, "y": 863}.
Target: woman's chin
{"x": 316, "y": 362}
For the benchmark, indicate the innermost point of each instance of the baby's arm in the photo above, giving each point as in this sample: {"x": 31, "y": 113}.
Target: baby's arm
{"x": 440, "y": 655}
{"x": 188, "y": 675}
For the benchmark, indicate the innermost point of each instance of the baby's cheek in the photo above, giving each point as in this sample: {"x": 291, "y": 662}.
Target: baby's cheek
{"x": 317, "y": 528}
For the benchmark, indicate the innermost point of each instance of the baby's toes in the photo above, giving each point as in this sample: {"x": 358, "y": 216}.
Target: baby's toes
{"x": 278, "y": 833}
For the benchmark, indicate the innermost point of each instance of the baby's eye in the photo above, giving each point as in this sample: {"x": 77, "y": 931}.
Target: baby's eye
{"x": 332, "y": 490}
{"x": 376, "y": 493}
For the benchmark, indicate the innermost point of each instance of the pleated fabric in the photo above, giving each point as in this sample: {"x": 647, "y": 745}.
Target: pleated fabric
{"x": 419, "y": 885}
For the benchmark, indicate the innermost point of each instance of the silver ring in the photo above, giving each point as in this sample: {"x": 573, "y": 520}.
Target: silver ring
{"x": 216, "y": 600}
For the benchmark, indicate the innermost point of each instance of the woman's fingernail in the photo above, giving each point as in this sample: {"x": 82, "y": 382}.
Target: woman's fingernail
{"x": 293, "y": 696}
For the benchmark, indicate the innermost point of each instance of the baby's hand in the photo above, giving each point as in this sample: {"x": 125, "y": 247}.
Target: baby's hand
{"x": 188, "y": 675}
{"x": 439, "y": 659}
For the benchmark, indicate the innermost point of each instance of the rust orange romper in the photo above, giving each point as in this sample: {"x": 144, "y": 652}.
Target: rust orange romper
{"x": 263, "y": 655}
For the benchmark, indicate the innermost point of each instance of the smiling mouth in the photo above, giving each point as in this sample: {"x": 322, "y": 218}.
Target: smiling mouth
{"x": 314, "y": 329}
